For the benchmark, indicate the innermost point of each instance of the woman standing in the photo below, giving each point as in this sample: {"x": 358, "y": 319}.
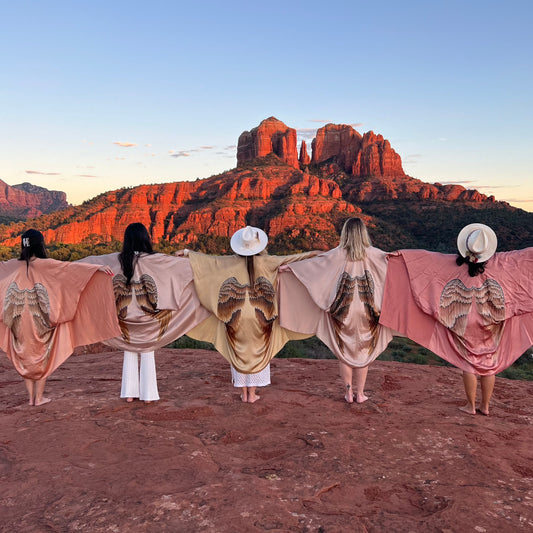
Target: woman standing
{"x": 474, "y": 310}
{"x": 49, "y": 308}
{"x": 239, "y": 290}
{"x": 337, "y": 297}
{"x": 155, "y": 302}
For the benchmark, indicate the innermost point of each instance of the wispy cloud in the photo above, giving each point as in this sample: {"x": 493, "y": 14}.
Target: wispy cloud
{"x": 43, "y": 173}
{"x": 86, "y": 176}
{"x": 456, "y": 182}
{"x": 320, "y": 120}
{"x": 179, "y": 154}
{"x": 306, "y": 133}
{"x": 148, "y": 145}
{"x": 125, "y": 144}
{"x": 206, "y": 147}
{"x": 497, "y": 186}
{"x": 519, "y": 200}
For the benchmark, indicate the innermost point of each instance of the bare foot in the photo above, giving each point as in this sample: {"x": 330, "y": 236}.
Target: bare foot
{"x": 129, "y": 400}
{"x": 146, "y": 402}
{"x": 361, "y": 398}
{"x": 468, "y": 410}
{"x": 244, "y": 398}
{"x": 254, "y": 398}
{"x": 483, "y": 411}
{"x": 42, "y": 401}
{"x": 30, "y": 402}
{"x": 348, "y": 397}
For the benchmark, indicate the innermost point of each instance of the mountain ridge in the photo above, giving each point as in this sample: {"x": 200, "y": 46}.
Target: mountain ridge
{"x": 301, "y": 201}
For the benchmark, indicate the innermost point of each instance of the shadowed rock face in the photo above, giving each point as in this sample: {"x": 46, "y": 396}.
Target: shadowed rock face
{"x": 300, "y": 459}
{"x": 27, "y": 200}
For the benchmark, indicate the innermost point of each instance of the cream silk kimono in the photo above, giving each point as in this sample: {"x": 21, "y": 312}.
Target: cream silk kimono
{"x": 480, "y": 324}
{"x": 244, "y": 326}
{"x": 49, "y": 308}
{"x": 339, "y": 301}
{"x": 158, "y": 306}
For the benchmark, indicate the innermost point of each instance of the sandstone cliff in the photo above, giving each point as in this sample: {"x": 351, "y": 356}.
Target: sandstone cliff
{"x": 27, "y": 200}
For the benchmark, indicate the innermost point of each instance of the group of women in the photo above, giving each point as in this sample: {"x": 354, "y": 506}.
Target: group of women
{"x": 475, "y": 309}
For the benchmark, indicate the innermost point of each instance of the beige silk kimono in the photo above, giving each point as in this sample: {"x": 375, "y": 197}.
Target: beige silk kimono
{"x": 244, "y": 326}
{"x": 158, "y": 306}
{"x": 339, "y": 301}
{"x": 49, "y": 308}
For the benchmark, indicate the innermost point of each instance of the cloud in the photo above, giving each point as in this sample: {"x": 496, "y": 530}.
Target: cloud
{"x": 148, "y": 145}
{"x": 125, "y": 145}
{"x": 86, "y": 176}
{"x": 519, "y": 200}
{"x": 306, "y": 133}
{"x": 497, "y": 186}
{"x": 456, "y": 182}
{"x": 179, "y": 154}
{"x": 320, "y": 120}
{"x": 43, "y": 173}
{"x": 206, "y": 147}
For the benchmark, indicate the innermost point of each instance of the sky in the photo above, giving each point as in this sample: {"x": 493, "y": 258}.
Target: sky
{"x": 100, "y": 95}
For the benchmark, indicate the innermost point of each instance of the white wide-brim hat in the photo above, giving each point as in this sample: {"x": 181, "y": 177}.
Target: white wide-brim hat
{"x": 249, "y": 241}
{"x": 477, "y": 242}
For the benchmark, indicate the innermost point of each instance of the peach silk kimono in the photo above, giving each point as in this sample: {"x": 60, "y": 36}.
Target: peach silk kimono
{"x": 244, "y": 326}
{"x": 49, "y": 308}
{"x": 158, "y": 306}
{"x": 480, "y": 324}
{"x": 339, "y": 301}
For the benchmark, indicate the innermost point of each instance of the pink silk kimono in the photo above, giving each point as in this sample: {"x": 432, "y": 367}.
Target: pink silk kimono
{"x": 480, "y": 324}
{"x": 49, "y": 308}
{"x": 339, "y": 301}
{"x": 158, "y": 306}
{"x": 244, "y": 326}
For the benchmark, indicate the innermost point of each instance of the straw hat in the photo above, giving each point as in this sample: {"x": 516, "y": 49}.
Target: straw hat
{"x": 248, "y": 241}
{"x": 477, "y": 242}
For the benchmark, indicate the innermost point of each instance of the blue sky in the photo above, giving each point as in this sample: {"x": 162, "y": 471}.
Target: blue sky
{"x": 107, "y": 94}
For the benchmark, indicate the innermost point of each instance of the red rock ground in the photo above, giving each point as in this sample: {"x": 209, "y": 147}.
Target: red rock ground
{"x": 299, "y": 460}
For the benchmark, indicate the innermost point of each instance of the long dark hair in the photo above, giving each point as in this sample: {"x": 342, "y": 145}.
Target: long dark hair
{"x": 474, "y": 269}
{"x": 32, "y": 245}
{"x": 136, "y": 241}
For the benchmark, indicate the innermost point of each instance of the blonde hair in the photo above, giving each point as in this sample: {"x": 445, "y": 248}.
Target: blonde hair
{"x": 355, "y": 239}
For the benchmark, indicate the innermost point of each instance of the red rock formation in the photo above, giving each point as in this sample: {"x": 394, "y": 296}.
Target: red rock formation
{"x": 377, "y": 158}
{"x": 304, "y": 156}
{"x": 338, "y": 141}
{"x": 368, "y": 155}
{"x": 271, "y": 136}
{"x": 266, "y": 192}
{"x": 27, "y": 200}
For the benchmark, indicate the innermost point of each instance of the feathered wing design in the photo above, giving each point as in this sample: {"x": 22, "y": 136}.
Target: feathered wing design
{"x": 455, "y": 303}
{"x": 123, "y": 296}
{"x": 262, "y": 297}
{"x": 39, "y": 307}
{"x": 231, "y": 297}
{"x": 366, "y": 289}
{"x": 490, "y": 304}
{"x": 13, "y": 306}
{"x": 341, "y": 304}
{"x": 146, "y": 296}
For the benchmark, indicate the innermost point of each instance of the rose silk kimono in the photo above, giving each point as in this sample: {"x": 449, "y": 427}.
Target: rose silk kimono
{"x": 244, "y": 326}
{"x": 49, "y": 308}
{"x": 339, "y": 301}
{"x": 480, "y": 324}
{"x": 160, "y": 304}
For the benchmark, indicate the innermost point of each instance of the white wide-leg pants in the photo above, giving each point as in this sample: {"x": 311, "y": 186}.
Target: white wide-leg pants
{"x": 144, "y": 388}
